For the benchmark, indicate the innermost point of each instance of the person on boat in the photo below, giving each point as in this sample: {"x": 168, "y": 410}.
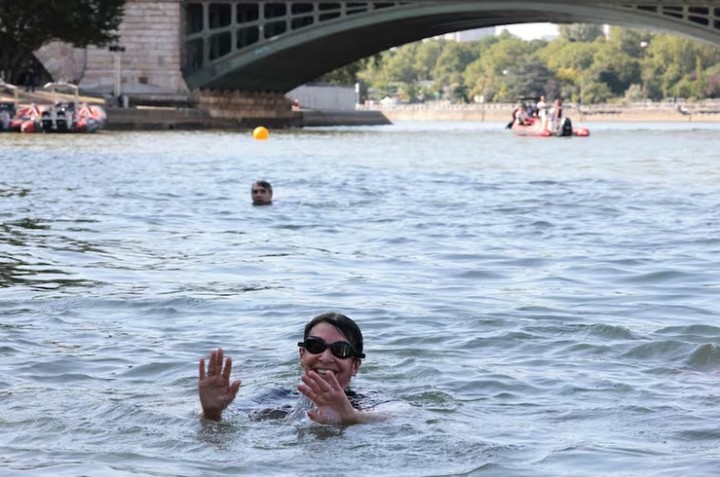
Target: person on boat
{"x": 510, "y": 123}
{"x": 7, "y": 111}
{"x": 519, "y": 116}
{"x": 531, "y": 111}
{"x": 541, "y": 109}
{"x": 555, "y": 114}
{"x": 331, "y": 353}
{"x": 261, "y": 193}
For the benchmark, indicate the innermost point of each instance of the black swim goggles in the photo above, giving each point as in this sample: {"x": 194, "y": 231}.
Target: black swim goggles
{"x": 339, "y": 349}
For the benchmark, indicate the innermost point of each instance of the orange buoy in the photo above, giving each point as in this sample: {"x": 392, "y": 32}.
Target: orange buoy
{"x": 260, "y": 133}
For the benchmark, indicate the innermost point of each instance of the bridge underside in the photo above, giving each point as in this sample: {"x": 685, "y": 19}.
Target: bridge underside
{"x": 293, "y": 43}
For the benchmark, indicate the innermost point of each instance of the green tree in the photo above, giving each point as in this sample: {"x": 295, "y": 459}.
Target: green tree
{"x": 400, "y": 66}
{"x": 500, "y": 68}
{"x": 529, "y": 78}
{"x": 630, "y": 41}
{"x": 616, "y": 68}
{"x": 700, "y": 79}
{"x": 371, "y": 76}
{"x": 634, "y": 93}
{"x": 586, "y": 32}
{"x": 409, "y": 92}
{"x": 453, "y": 60}
{"x": 562, "y": 53}
{"x": 712, "y": 86}
{"x": 487, "y": 76}
{"x": 27, "y": 25}
{"x": 388, "y": 69}
{"x": 571, "y": 63}
{"x": 596, "y": 92}
{"x": 348, "y": 74}
{"x": 426, "y": 57}
{"x": 673, "y": 64}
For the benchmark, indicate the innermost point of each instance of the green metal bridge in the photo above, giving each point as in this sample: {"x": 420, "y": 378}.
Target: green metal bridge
{"x": 276, "y": 46}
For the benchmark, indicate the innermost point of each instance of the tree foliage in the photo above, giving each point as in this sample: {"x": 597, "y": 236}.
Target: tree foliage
{"x": 27, "y": 25}
{"x": 488, "y": 75}
{"x": 348, "y": 74}
{"x": 530, "y": 78}
{"x": 582, "y": 66}
{"x": 580, "y": 32}
{"x": 675, "y": 67}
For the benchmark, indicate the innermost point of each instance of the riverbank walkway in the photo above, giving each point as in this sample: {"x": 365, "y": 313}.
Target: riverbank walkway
{"x": 635, "y": 112}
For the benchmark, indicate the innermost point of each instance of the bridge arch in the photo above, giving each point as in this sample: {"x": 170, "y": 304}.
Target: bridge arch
{"x": 277, "y": 46}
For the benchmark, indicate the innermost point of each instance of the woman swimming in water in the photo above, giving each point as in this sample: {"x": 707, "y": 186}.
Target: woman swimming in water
{"x": 331, "y": 354}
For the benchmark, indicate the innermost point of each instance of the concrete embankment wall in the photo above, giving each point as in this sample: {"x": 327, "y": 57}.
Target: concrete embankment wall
{"x": 343, "y": 118}
{"x": 455, "y": 114}
{"x": 152, "y": 118}
{"x": 191, "y": 118}
{"x": 163, "y": 118}
{"x": 502, "y": 113}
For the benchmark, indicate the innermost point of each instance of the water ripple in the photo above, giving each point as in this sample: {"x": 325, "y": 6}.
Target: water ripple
{"x": 522, "y": 316}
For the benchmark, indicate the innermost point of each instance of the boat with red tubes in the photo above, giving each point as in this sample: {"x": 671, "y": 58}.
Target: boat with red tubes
{"x": 534, "y": 127}
{"x": 62, "y": 116}
{"x": 71, "y": 116}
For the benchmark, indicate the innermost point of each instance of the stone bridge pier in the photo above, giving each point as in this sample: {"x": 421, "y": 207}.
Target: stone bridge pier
{"x": 150, "y": 68}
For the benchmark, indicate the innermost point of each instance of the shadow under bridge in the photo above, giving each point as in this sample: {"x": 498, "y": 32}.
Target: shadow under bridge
{"x": 268, "y": 46}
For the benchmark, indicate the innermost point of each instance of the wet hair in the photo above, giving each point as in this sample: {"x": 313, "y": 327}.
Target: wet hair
{"x": 265, "y": 185}
{"x": 347, "y": 327}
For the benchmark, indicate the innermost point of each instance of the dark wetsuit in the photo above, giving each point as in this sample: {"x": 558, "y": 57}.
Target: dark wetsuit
{"x": 282, "y": 403}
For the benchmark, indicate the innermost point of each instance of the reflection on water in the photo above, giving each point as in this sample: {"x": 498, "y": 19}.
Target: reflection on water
{"x": 6, "y": 191}
{"x": 29, "y": 264}
{"x": 530, "y": 307}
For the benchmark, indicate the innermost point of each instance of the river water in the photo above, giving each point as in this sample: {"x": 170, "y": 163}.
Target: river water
{"x": 531, "y": 307}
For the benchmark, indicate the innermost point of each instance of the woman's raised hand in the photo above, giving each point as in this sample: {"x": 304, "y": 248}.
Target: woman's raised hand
{"x": 331, "y": 403}
{"x": 216, "y": 391}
